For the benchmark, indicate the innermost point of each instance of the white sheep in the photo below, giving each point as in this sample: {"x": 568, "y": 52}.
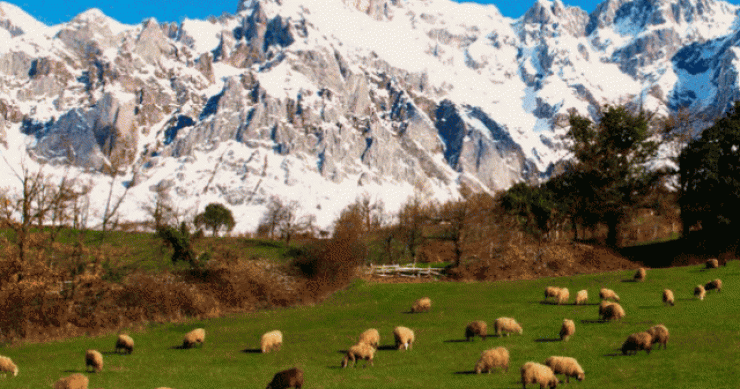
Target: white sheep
{"x": 423, "y": 304}
{"x": 640, "y": 275}
{"x": 551, "y": 291}
{"x": 567, "y": 330}
{"x": 608, "y": 294}
{"x": 359, "y": 351}
{"x": 567, "y": 366}
{"x": 714, "y": 285}
{"x": 581, "y": 297}
{"x": 7, "y": 366}
{"x": 94, "y": 360}
{"x": 476, "y": 328}
{"x": 699, "y": 292}
{"x": 371, "y": 336}
{"x": 660, "y": 335}
{"x": 490, "y": 359}
{"x": 272, "y": 340}
{"x": 124, "y": 343}
{"x": 636, "y": 342}
{"x": 563, "y": 296}
{"x": 668, "y": 297}
{"x": 506, "y": 325}
{"x": 196, "y": 336}
{"x": 74, "y": 381}
{"x": 291, "y": 378}
{"x": 712, "y": 263}
{"x": 537, "y": 373}
{"x": 613, "y": 311}
{"x": 404, "y": 337}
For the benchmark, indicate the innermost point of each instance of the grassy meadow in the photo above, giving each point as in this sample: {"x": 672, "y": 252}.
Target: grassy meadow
{"x": 703, "y": 350}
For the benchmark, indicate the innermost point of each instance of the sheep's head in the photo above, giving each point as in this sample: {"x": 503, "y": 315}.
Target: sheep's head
{"x": 553, "y": 383}
{"x": 581, "y": 376}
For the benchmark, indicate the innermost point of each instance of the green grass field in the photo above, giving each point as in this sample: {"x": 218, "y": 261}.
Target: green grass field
{"x": 703, "y": 351}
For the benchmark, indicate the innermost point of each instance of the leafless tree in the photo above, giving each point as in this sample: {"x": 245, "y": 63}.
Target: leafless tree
{"x": 120, "y": 157}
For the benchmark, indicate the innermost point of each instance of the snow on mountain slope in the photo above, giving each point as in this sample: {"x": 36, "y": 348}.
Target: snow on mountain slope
{"x": 322, "y": 101}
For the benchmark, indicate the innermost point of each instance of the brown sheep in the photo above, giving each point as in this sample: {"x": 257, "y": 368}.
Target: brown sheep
{"x": 196, "y": 336}
{"x": 359, "y": 351}
{"x": 613, "y": 311}
{"x": 94, "y": 360}
{"x": 489, "y": 359}
{"x": 423, "y": 304}
{"x": 714, "y": 285}
{"x": 74, "y": 381}
{"x": 712, "y": 263}
{"x": 567, "y": 366}
{"x": 476, "y": 328}
{"x": 567, "y": 330}
{"x": 124, "y": 343}
{"x": 640, "y": 275}
{"x": 636, "y": 342}
{"x": 660, "y": 335}
{"x": 536, "y": 373}
{"x": 371, "y": 336}
{"x": 668, "y": 297}
{"x": 291, "y": 378}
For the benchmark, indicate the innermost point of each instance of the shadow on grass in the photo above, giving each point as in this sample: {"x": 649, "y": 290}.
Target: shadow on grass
{"x": 387, "y": 347}
{"x": 252, "y": 351}
{"x": 586, "y": 321}
{"x": 619, "y": 354}
{"x": 631, "y": 280}
{"x": 456, "y": 341}
{"x": 75, "y": 371}
{"x": 650, "y": 306}
{"x": 467, "y": 372}
{"x": 547, "y": 340}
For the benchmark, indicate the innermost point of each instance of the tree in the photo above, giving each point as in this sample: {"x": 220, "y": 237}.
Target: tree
{"x": 709, "y": 180}
{"x": 532, "y": 206}
{"x": 215, "y": 217}
{"x": 611, "y": 157}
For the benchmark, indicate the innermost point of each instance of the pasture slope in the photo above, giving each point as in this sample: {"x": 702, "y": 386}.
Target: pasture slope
{"x": 702, "y": 352}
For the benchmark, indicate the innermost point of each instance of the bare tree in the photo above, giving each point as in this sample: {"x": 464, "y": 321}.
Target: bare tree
{"x": 120, "y": 157}
{"x": 273, "y": 217}
{"x": 283, "y": 217}
{"x": 161, "y": 209}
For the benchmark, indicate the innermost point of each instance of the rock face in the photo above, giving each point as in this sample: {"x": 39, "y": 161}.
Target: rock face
{"x": 353, "y": 93}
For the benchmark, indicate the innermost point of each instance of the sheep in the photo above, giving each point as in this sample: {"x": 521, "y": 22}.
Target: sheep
{"x": 712, "y": 263}
{"x": 271, "y": 340}
{"x": 7, "y": 366}
{"x": 714, "y": 285}
{"x": 291, "y": 378}
{"x": 602, "y": 307}
{"x": 537, "y": 373}
{"x": 640, "y": 275}
{"x": 563, "y": 296}
{"x": 478, "y": 327}
{"x": 567, "y": 366}
{"x": 636, "y": 342}
{"x": 551, "y": 291}
{"x": 660, "y": 335}
{"x": 608, "y": 294}
{"x": 359, "y": 351}
{"x": 489, "y": 359}
{"x": 700, "y": 292}
{"x": 371, "y": 337}
{"x": 196, "y": 336}
{"x": 423, "y": 304}
{"x": 507, "y": 325}
{"x": 613, "y": 311}
{"x": 94, "y": 360}
{"x": 567, "y": 330}
{"x": 581, "y": 297}
{"x": 124, "y": 343}
{"x": 404, "y": 337}
{"x": 668, "y": 297}
{"x": 74, "y": 381}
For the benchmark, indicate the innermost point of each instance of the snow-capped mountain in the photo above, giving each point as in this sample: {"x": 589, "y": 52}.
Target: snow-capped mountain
{"x": 321, "y": 101}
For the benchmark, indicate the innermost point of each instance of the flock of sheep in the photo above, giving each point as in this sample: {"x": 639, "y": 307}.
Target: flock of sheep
{"x": 531, "y": 372}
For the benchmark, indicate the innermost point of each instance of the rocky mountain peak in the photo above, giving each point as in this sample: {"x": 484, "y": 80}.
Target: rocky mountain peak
{"x": 555, "y": 14}
{"x": 17, "y": 22}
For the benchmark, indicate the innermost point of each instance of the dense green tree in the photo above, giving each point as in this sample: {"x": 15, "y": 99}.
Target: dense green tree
{"x": 532, "y": 206}
{"x": 215, "y": 217}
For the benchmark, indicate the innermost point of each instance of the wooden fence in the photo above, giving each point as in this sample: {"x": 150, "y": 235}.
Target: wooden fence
{"x": 409, "y": 270}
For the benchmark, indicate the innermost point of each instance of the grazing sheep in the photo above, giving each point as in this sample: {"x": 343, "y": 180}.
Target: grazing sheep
{"x": 423, "y": 304}
{"x": 568, "y": 329}
{"x": 196, "y": 336}
{"x": 567, "y": 366}
{"x": 699, "y": 292}
{"x": 660, "y": 335}
{"x": 608, "y": 294}
{"x": 478, "y": 327}
{"x": 271, "y": 340}
{"x": 94, "y": 359}
{"x": 7, "y": 366}
{"x": 404, "y": 337}
{"x": 507, "y": 325}
{"x": 359, "y": 351}
{"x": 563, "y": 296}
{"x": 551, "y": 291}
{"x": 124, "y": 343}
{"x": 714, "y": 285}
{"x": 581, "y": 297}
{"x": 712, "y": 263}
{"x": 74, "y": 381}
{"x": 371, "y": 337}
{"x": 613, "y": 311}
{"x": 489, "y": 359}
{"x": 636, "y": 342}
{"x": 291, "y": 378}
{"x": 640, "y": 275}
{"x": 668, "y": 297}
{"x": 602, "y": 307}
{"x": 537, "y": 373}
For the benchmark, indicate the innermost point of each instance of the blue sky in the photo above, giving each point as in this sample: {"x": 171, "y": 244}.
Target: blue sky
{"x": 132, "y": 12}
